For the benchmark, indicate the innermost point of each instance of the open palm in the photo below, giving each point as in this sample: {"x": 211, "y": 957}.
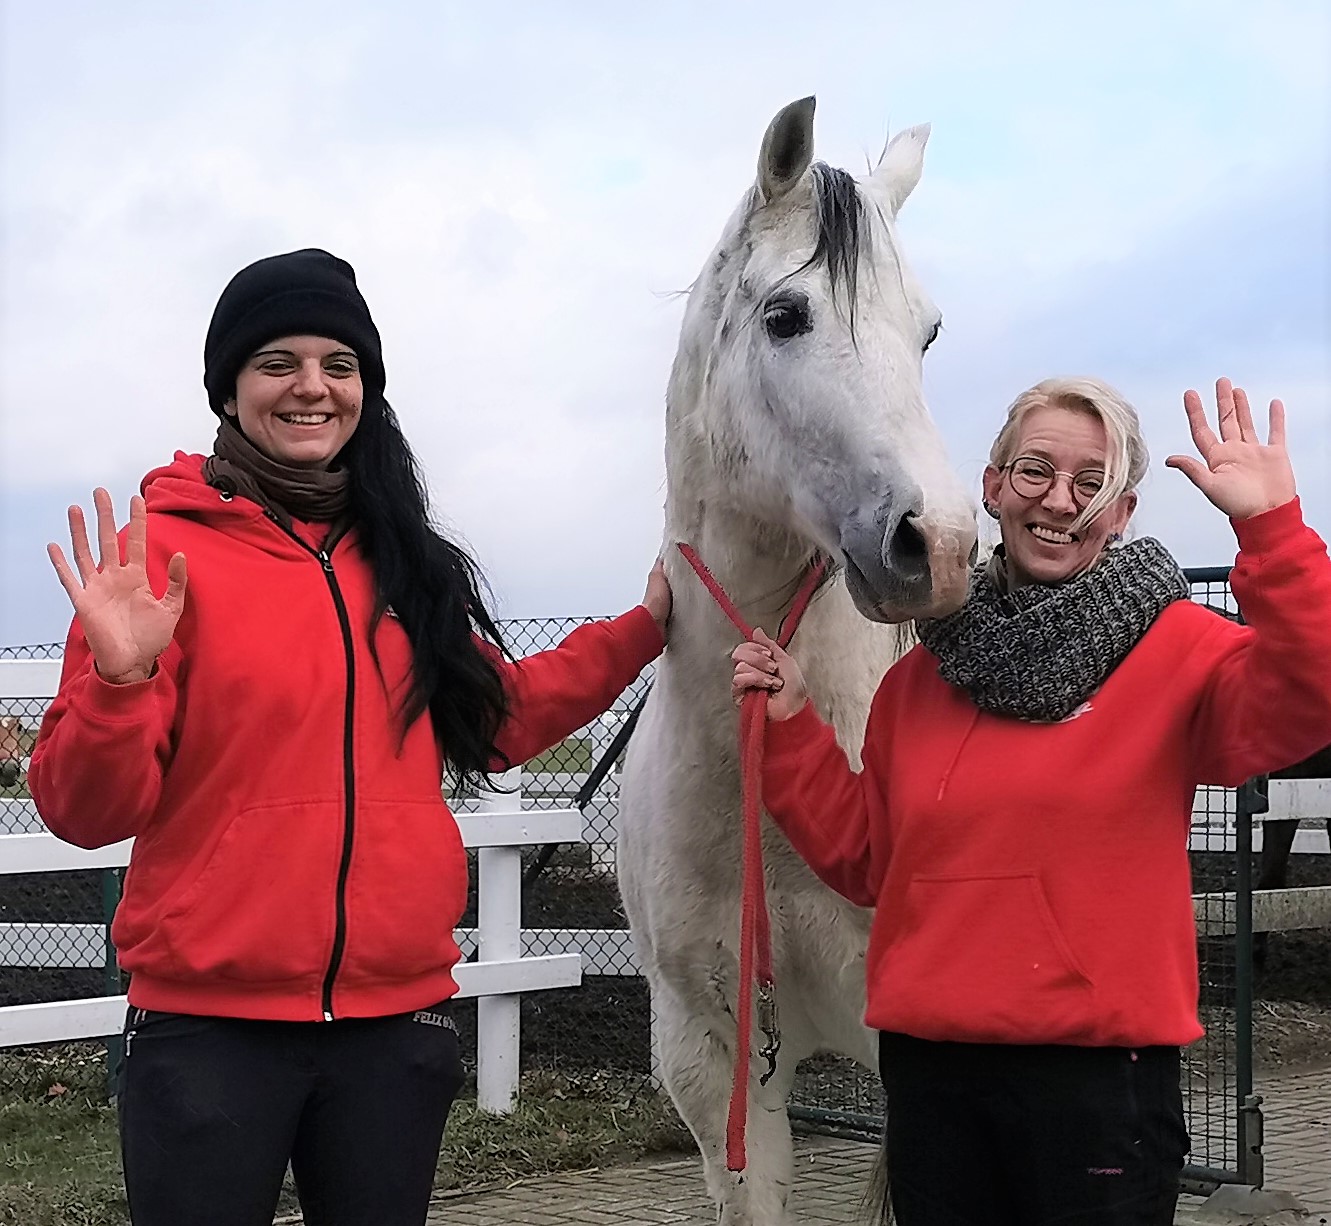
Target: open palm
{"x": 126, "y": 626}
{"x": 1241, "y": 475}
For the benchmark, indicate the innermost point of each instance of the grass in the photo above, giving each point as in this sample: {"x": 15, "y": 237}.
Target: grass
{"x": 60, "y": 1159}
{"x": 61, "y": 1164}
{"x": 572, "y": 757}
{"x": 563, "y": 1123}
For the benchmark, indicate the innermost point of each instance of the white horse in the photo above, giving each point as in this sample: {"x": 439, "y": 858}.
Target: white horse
{"x": 796, "y": 425}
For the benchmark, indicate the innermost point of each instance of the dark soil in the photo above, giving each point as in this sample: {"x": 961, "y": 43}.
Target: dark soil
{"x": 1298, "y": 964}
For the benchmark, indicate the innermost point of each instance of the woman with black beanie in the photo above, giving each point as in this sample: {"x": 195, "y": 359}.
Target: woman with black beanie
{"x": 273, "y": 730}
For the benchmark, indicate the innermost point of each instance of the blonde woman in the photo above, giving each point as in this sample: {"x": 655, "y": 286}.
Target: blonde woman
{"x": 1020, "y": 822}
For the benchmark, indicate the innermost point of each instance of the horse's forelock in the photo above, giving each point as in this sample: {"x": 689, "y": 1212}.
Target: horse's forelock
{"x": 844, "y": 233}
{"x": 843, "y": 238}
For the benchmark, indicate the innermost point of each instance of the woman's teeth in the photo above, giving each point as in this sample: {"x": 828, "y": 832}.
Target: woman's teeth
{"x": 1054, "y": 538}
{"x": 305, "y": 419}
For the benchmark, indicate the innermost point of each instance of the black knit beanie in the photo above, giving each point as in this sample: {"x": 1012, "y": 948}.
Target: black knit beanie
{"x": 302, "y": 293}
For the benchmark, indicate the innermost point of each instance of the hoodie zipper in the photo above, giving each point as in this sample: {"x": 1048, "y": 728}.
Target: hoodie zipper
{"x": 348, "y": 768}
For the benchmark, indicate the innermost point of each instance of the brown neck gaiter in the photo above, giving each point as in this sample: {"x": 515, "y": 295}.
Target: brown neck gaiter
{"x": 314, "y": 495}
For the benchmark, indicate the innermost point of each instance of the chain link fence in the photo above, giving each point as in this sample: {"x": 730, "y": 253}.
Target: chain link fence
{"x": 571, "y": 901}
{"x": 53, "y": 926}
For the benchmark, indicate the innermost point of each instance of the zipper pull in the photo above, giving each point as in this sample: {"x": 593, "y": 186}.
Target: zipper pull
{"x": 327, "y": 563}
{"x": 328, "y": 1017}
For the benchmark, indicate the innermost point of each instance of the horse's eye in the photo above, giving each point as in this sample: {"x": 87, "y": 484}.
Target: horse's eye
{"x": 933, "y": 335}
{"x": 787, "y": 317}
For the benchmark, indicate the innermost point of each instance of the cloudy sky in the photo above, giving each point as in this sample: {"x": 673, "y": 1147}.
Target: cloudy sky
{"x": 1141, "y": 191}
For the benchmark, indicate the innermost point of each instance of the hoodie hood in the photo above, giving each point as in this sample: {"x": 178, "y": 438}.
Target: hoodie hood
{"x": 179, "y": 488}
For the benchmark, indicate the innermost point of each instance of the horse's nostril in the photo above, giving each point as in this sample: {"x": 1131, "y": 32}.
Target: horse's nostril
{"x": 907, "y": 550}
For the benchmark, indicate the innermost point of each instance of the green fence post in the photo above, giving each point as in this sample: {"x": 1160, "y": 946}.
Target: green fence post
{"x": 1251, "y": 798}
{"x": 111, "y": 985}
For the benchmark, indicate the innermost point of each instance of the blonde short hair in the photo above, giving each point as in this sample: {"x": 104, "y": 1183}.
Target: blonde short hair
{"x": 1128, "y": 457}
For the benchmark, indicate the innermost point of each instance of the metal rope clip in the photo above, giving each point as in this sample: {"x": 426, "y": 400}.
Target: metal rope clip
{"x": 767, "y": 1023}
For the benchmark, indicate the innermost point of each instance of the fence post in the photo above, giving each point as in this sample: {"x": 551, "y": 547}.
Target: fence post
{"x": 499, "y": 938}
{"x": 111, "y": 984}
{"x": 1251, "y": 798}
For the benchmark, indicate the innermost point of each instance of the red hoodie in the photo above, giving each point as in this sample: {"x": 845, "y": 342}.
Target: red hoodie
{"x": 290, "y": 861}
{"x": 1031, "y": 881}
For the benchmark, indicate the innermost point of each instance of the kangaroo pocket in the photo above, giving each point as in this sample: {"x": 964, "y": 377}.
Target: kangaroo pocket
{"x": 982, "y": 959}
{"x": 263, "y": 909}
{"x": 405, "y": 891}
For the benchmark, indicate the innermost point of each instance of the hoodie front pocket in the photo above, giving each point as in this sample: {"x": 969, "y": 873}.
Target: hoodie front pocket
{"x": 983, "y": 956}
{"x": 405, "y": 892}
{"x": 263, "y": 909}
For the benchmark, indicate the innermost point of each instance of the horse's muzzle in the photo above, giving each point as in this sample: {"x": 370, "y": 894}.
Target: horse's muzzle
{"x": 918, "y": 568}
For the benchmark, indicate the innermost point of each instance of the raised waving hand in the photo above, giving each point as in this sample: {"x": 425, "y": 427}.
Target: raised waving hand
{"x": 125, "y": 624}
{"x": 1241, "y": 475}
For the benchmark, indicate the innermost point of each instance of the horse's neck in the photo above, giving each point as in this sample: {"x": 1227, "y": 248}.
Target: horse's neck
{"x": 843, "y": 656}
{"x": 760, "y": 567}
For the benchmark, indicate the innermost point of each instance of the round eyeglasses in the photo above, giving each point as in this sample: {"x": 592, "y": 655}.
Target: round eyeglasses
{"x": 1032, "y": 477}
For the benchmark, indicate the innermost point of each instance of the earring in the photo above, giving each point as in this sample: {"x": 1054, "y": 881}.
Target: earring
{"x": 990, "y": 510}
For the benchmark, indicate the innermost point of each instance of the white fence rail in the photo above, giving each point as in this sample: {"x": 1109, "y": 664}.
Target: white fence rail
{"x": 497, "y": 826}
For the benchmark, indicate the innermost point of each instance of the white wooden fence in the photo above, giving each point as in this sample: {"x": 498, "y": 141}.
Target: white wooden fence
{"x": 511, "y": 960}
{"x": 496, "y": 825}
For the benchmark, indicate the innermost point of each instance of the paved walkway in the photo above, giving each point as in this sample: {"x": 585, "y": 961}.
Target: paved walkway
{"x": 831, "y": 1177}
{"x": 1297, "y": 1143}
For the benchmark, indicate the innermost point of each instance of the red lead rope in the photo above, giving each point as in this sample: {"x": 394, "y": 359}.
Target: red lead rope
{"x": 755, "y": 931}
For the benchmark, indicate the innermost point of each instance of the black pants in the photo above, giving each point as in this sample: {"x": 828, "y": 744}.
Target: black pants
{"x": 213, "y": 1109}
{"x": 988, "y": 1135}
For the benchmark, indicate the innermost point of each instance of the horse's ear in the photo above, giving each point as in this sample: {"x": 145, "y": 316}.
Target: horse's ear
{"x": 899, "y": 169}
{"x": 787, "y": 150}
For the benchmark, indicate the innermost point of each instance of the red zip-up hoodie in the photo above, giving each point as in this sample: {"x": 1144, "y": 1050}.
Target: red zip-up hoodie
{"x": 291, "y": 860}
{"x": 1031, "y": 881}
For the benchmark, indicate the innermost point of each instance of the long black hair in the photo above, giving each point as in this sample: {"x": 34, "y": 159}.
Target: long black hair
{"x": 438, "y": 594}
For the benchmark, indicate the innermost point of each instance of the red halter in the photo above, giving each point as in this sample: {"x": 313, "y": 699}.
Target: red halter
{"x": 755, "y": 931}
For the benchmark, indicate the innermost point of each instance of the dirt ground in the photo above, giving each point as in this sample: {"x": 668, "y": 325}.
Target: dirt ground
{"x": 1292, "y": 1016}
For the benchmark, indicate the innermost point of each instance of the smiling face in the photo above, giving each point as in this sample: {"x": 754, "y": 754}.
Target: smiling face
{"x": 1039, "y": 539}
{"x": 298, "y": 399}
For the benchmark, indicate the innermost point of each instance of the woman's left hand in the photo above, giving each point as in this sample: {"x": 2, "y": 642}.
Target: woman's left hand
{"x": 1242, "y": 476}
{"x": 658, "y": 597}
